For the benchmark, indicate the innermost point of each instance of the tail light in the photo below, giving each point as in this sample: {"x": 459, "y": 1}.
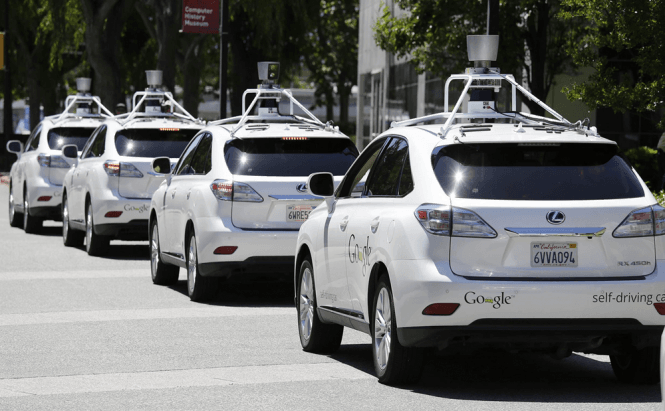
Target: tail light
{"x": 233, "y": 191}
{"x": 46, "y": 160}
{"x": 453, "y": 221}
{"x": 644, "y": 222}
{"x": 225, "y": 250}
{"x": 116, "y": 169}
{"x": 441, "y": 309}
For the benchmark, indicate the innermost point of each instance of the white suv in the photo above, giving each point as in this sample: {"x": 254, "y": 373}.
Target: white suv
{"x": 493, "y": 229}
{"x": 107, "y": 195}
{"x": 35, "y": 185}
{"x": 236, "y": 198}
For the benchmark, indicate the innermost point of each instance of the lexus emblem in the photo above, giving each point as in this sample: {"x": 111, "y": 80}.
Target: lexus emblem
{"x": 556, "y": 217}
{"x": 302, "y": 187}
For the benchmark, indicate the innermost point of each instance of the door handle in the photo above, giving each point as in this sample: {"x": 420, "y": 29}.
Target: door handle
{"x": 344, "y": 223}
{"x": 374, "y": 225}
{"x": 188, "y": 193}
{"x": 173, "y": 194}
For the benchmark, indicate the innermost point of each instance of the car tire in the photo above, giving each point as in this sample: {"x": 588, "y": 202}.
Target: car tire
{"x": 31, "y": 224}
{"x": 638, "y": 366}
{"x": 393, "y": 363}
{"x": 199, "y": 288}
{"x": 95, "y": 244}
{"x": 162, "y": 273}
{"x": 70, "y": 237}
{"x": 315, "y": 335}
{"x": 15, "y": 218}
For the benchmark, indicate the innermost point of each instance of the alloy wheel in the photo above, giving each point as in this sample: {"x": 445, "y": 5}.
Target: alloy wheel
{"x": 382, "y": 329}
{"x": 154, "y": 251}
{"x": 191, "y": 266}
{"x": 306, "y": 304}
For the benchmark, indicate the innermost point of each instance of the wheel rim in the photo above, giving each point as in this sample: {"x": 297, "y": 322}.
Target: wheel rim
{"x": 154, "y": 251}
{"x": 306, "y": 304}
{"x": 12, "y": 211}
{"x": 382, "y": 329}
{"x": 65, "y": 220}
{"x": 88, "y": 227}
{"x": 25, "y": 212}
{"x": 191, "y": 265}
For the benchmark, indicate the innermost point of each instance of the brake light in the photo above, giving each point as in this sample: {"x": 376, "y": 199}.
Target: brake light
{"x": 116, "y": 169}
{"x": 234, "y": 191}
{"x": 44, "y": 198}
{"x": 169, "y": 129}
{"x": 441, "y": 309}
{"x": 645, "y": 222}
{"x": 46, "y": 160}
{"x": 113, "y": 214}
{"x": 458, "y": 222}
{"x": 294, "y": 138}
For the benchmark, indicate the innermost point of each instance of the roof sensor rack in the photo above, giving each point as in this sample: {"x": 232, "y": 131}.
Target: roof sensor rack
{"x": 153, "y": 99}
{"x": 83, "y": 102}
{"x": 267, "y": 99}
{"x": 484, "y": 82}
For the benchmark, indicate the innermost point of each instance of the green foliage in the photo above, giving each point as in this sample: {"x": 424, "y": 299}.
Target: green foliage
{"x": 432, "y": 33}
{"x": 660, "y": 197}
{"x": 623, "y": 43}
{"x": 645, "y": 162}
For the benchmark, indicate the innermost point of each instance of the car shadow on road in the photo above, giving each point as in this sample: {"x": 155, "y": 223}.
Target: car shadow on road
{"x": 51, "y": 231}
{"x": 246, "y": 294}
{"x": 501, "y": 376}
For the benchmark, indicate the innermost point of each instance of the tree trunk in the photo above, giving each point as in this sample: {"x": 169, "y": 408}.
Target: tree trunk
{"x": 191, "y": 72}
{"x": 168, "y": 23}
{"x": 104, "y": 23}
{"x": 537, "y": 45}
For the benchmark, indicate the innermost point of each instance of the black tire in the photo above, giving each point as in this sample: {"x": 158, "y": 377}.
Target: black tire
{"x": 15, "y": 218}
{"x": 95, "y": 244}
{"x": 315, "y": 336}
{"x": 638, "y": 366}
{"x": 162, "y": 273}
{"x": 199, "y": 288}
{"x": 393, "y": 363}
{"x": 31, "y": 224}
{"x": 70, "y": 237}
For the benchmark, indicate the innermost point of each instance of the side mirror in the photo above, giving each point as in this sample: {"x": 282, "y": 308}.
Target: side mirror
{"x": 162, "y": 165}
{"x": 70, "y": 151}
{"x": 321, "y": 184}
{"x": 15, "y": 146}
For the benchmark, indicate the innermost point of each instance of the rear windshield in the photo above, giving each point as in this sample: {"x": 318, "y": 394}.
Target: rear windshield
{"x": 286, "y": 157}
{"x": 535, "y": 172}
{"x": 62, "y": 136}
{"x": 153, "y": 142}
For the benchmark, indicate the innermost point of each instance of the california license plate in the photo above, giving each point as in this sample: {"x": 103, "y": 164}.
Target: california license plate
{"x": 553, "y": 254}
{"x": 298, "y": 213}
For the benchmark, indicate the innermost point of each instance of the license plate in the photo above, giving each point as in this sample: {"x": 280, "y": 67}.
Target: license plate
{"x": 553, "y": 254}
{"x": 298, "y": 213}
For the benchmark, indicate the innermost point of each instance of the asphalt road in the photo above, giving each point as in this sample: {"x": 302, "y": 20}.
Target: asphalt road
{"x": 85, "y": 333}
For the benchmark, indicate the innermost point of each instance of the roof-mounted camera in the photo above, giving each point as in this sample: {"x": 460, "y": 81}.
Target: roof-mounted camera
{"x": 268, "y": 72}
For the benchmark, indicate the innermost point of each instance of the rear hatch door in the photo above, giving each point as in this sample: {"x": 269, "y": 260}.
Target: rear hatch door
{"x": 59, "y": 137}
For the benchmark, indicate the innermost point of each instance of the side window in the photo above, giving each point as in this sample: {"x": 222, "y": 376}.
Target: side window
{"x": 183, "y": 166}
{"x": 202, "y": 160}
{"x": 33, "y": 140}
{"x": 386, "y": 176}
{"x": 95, "y": 145}
{"x": 406, "y": 180}
{"x": 354, "y": 182}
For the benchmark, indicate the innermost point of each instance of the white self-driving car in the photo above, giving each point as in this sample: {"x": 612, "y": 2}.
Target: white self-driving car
{"x": 36, "y": 178}
{"x": 236, "y": 198}
{"x": 491, "y": 230}
{"x": 107, "y": 195}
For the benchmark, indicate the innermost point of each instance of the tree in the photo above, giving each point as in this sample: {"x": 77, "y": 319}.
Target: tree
{"x": 265, "y": 30}
{"x": 622, "y": 42}
{"x": 331, "y": 55}
{"x": 104, "y": 21}
{"x": 433, "y": 34}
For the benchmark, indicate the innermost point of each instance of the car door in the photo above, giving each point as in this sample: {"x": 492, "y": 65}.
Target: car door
{"x": 175, "y": 199}
{"x": 373, "y": 212}
{"x": 89, "y": 160}
{"x": 339, "y": 240}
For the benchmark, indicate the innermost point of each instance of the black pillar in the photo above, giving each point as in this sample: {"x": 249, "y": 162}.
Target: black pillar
{"x": 9, "y": 118}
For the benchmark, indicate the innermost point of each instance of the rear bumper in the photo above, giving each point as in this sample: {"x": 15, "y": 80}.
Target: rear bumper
{"x": 38, "y": 191}
{"x": 253, "y": 268}
{"x": 520, "y": 308}
{"x": 135, "y": 230}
